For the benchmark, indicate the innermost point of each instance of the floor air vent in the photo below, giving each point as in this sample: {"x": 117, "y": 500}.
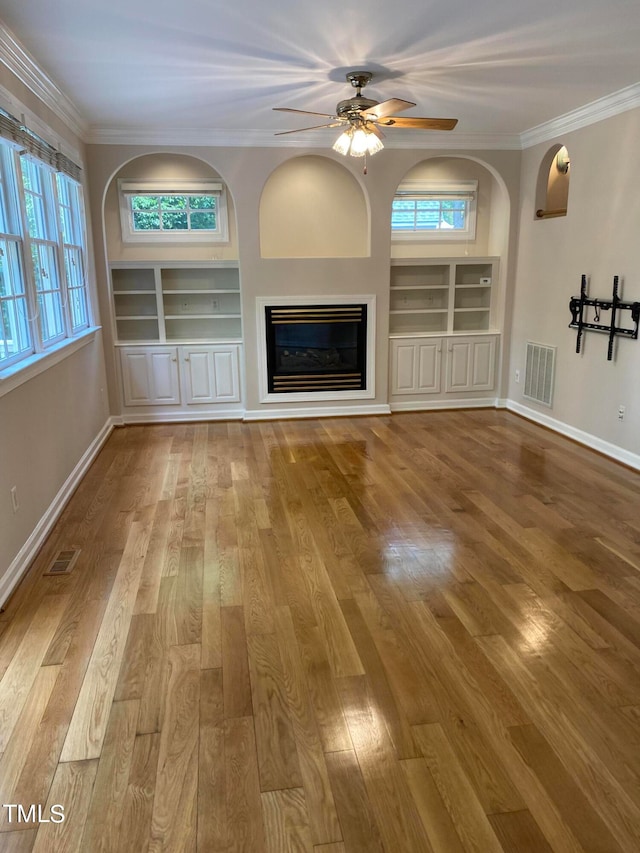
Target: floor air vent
{"x": 539, "y": 372}
{"x": 63, "y": 563}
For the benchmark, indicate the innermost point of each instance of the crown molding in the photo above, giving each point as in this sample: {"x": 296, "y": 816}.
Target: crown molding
{"x": 27, "y": 70}
{"x": 603, "y": 108}
{"x": 265, "y": 139}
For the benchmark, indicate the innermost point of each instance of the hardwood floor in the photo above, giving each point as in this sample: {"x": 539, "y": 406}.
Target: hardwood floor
{"x": 414, "y": 634}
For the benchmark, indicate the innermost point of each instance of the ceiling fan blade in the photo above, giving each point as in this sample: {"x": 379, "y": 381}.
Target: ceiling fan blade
{"x": 304, "y": 112}
{"x": 372, "y": 127}
{"x": 419, "y": 123}
{"x": 315, "y": 127}
{"x": 387, "y": 108}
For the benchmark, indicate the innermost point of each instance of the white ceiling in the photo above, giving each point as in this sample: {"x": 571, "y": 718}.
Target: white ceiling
{"x": 499, "y": 66}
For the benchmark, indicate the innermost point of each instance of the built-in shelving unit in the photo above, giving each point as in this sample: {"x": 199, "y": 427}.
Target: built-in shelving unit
{"x": 185, "y": 302}
{"x": 444, "y": 340}
{"x": 441, "y": 296}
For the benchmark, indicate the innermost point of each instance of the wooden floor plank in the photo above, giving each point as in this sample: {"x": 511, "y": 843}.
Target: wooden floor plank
{"x": 286, "y": 821}
{"x": 213, "y": 830}
{"x": 464, "y": 808}
{"x": 102, "y": 829}
{"x": 72, "y": 787}
{"x": 137, "y": 803}
{"x": 235, "y": 664}
{"x": 320, "y": 804}
{"x": 89, "y": 722}
{"x": 244, "y": 804}
{"x": 174, "y": 819}
{"x": 21, "y": 673}
{"x": 13, "y": 759}
{"x": 275, "y": 741}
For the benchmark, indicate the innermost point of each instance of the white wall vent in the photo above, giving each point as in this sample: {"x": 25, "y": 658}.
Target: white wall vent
{"x": 539, "y": 373}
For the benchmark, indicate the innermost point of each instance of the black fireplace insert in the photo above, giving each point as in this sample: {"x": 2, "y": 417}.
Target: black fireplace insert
{"x": 316, "y": 347}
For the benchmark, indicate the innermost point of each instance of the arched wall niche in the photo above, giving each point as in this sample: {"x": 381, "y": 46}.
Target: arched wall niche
{"x": 492, "y": 214}
{"x": 164, "y": 166}
{"x": 552, "y": 187}
{"x": 313, "y": 207}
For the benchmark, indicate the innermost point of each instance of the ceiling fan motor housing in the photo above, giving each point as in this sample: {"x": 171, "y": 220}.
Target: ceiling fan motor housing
{"x": 351, "y": 107}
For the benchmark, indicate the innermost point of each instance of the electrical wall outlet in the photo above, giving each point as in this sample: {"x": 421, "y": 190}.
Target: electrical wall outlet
{"x": 621, "y": 411}
{"x": 14, "y": 499}
{"x": 517, "y": 376}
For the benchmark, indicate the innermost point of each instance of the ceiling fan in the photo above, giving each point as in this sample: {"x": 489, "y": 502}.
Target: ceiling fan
{"x": 363, "y": 118}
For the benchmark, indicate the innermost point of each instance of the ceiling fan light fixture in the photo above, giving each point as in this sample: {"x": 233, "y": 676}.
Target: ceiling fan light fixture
{"x": 359, "y": 145}
{"x": 357, "y": 142}
{"x": 343, "y": 142}
{"x": 374, "y": 144}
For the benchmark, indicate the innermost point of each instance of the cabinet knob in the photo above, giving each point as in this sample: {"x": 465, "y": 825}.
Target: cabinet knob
{"x": 186, "y": 358}
{"x": 173, "y": 358}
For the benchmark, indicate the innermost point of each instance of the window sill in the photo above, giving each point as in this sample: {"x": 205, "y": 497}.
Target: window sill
{"x": 17, "y": 374}
{"x": 433, "y": 236}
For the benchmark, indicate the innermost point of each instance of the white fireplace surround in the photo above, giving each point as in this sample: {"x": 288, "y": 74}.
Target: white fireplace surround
{"x": 369, "y": 392}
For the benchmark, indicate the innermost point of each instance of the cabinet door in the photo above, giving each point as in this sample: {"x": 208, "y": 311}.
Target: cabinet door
{"x": 415, "y": 367}
{"x": 210, "y": 374}
{"x": 150, "y": 376}
{"x": 471, "y": 364}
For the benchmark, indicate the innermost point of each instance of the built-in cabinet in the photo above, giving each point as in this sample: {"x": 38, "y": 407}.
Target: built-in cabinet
{"x": 443, "y": 365}
{"x": 178, "y": 332}
{"x": 442, "y": 329}
{"x": 184, "y": 375}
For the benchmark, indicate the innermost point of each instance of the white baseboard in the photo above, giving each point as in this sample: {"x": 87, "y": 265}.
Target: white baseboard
{"x": 26, "y": 554}
{"x": 324, "y": 412}
{"x": 586, "y": 438}
{"x": 437, "y": 405}
{"x": 179, "y": 417}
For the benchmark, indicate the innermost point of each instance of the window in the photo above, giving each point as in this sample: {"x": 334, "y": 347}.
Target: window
{"x": 428, "y": 210}
{"x": 15, "y": 335}
{"x": 43, "y": 292}
{"x": 191, "y": 211}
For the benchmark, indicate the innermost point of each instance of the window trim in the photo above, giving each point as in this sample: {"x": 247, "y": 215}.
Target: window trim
{"x": 449, "y": 190}
{"x": 128, "y": 187}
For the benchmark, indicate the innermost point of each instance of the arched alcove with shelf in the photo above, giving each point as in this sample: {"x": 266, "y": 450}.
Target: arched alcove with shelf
{"x": 313, "y": 207}
{"x": 165, "y": 167}
{"x": 552, "y": 189}
{"x": 491, "y": 213}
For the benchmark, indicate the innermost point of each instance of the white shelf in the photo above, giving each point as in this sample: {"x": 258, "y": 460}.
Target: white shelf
{"x": 420, "y": 286}
{"x": 419, "y": 311}
{"x": 202, "y": 316}
{"x": 136, "y": 316}
{"x": 209, "y": 290}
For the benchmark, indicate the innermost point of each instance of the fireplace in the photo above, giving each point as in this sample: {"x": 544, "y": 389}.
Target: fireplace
{"x": 314, "y": 348}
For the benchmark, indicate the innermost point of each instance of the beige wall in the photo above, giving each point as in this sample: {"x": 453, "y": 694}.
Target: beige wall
{"x": 598, "y": 237}
{"x": 312, "y": 207}
{"x": 48, "y": 422}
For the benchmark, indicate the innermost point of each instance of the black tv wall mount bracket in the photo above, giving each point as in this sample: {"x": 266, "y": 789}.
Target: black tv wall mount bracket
{"x": 578, "y": 304}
